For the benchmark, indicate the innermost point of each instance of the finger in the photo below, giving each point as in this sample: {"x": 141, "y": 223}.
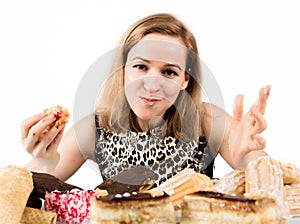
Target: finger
{"x": 45, "y": 143}
{"x": 259, "y": 123}
{"x": 51, "y": 136}
{"x": 258, "y": 143}
{"x": 54, "y": 144}
{"x": 36, "y": 131}
{"x": 262, "y": 100}
{"x": 29, "y": 122}
{"x": 238, "y": 108}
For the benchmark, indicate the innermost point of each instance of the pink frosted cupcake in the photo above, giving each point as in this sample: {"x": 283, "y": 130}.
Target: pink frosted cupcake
{"x": 71, "y": 207}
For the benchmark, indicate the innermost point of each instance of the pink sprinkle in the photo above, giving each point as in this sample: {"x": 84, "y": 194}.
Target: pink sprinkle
{"x": 71, "y": 207}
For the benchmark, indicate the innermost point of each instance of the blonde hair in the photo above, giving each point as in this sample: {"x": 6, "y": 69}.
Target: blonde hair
{"x": 182, "y": 119}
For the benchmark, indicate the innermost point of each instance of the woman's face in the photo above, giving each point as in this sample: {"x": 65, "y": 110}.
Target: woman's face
{"x": 154, "y": 76}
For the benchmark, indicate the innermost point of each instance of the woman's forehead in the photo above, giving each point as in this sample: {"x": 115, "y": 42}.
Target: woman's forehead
{"x": 167, "y": 50}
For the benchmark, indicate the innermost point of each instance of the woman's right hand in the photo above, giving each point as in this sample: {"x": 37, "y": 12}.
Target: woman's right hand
{"x": 40, "y": 139}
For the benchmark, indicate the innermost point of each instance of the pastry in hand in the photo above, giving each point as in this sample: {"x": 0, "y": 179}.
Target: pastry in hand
{"x": 61, "y": 114}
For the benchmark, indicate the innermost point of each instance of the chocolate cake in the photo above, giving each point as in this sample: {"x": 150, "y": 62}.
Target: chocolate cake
{"x": 132, "y": 178}
{"x": 122, "y": 199}
{"x": 211, "y": 207}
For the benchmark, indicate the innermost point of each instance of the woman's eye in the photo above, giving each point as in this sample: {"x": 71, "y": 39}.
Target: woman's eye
{"x": 170, "y": 72}
{"x": 140, "y": 67}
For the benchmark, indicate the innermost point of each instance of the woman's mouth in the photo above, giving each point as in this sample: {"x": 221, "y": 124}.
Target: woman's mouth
{"x": 150, "y": 101}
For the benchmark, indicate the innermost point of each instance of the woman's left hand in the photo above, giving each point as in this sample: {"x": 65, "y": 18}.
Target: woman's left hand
{"x": 244, "y": 134}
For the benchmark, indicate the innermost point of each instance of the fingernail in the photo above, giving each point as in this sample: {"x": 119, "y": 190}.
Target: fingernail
{"x": 266, "y": 90}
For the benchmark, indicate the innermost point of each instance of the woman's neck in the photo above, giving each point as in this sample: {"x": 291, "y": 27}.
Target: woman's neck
{"x": 146, "y": 125}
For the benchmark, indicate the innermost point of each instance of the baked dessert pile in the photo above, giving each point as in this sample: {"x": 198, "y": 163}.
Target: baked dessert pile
{"x": 23, "y": 194}
{"x": 268, "y": 191}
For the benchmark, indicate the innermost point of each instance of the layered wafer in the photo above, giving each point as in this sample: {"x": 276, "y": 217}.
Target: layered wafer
{"x": 38, "y": 216}
{"x": 292, "y": 197}
{"x": 16, "y": 185}
{"x": 183, "y": 183}
{"x": 290, "y": 172}
{"x": 231, "y": 183}
{"x": 264, "y": 179}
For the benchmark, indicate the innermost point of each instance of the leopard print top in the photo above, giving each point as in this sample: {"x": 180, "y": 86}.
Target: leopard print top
{"x": 166, "y": 156}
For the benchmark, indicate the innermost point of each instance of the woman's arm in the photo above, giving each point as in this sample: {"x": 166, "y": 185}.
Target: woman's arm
{"x": 76, "y": 147}
{"x": 237, "y": 138}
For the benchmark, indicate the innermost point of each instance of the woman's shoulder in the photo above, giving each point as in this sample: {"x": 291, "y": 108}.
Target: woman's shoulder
{"x": 212, "y": 110}
{"x": 214, "y": 119}
{"x": 88, "y": 122}
{"x": 83, "y": 132}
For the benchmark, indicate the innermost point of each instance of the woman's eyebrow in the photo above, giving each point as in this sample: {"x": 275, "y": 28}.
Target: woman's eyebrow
{"x": 148, "y": 61}
{"x": 174, "y": 65}
{"x": 140, "y": 58}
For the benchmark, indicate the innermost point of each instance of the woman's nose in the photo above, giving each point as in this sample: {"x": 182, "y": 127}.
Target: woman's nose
{"x": 152, "y": 83}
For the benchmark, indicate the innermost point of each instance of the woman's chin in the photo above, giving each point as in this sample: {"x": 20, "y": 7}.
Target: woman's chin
{"x": 149, "y": 120}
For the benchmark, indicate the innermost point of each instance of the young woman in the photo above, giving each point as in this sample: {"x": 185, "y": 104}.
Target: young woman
{"x": 150, "y": 113}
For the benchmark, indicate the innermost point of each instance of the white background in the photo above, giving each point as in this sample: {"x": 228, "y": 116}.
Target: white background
{"x": 47, "y": 46}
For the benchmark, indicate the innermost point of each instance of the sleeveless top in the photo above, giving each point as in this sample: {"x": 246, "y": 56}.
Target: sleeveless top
{"x": 118, "y": 151}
